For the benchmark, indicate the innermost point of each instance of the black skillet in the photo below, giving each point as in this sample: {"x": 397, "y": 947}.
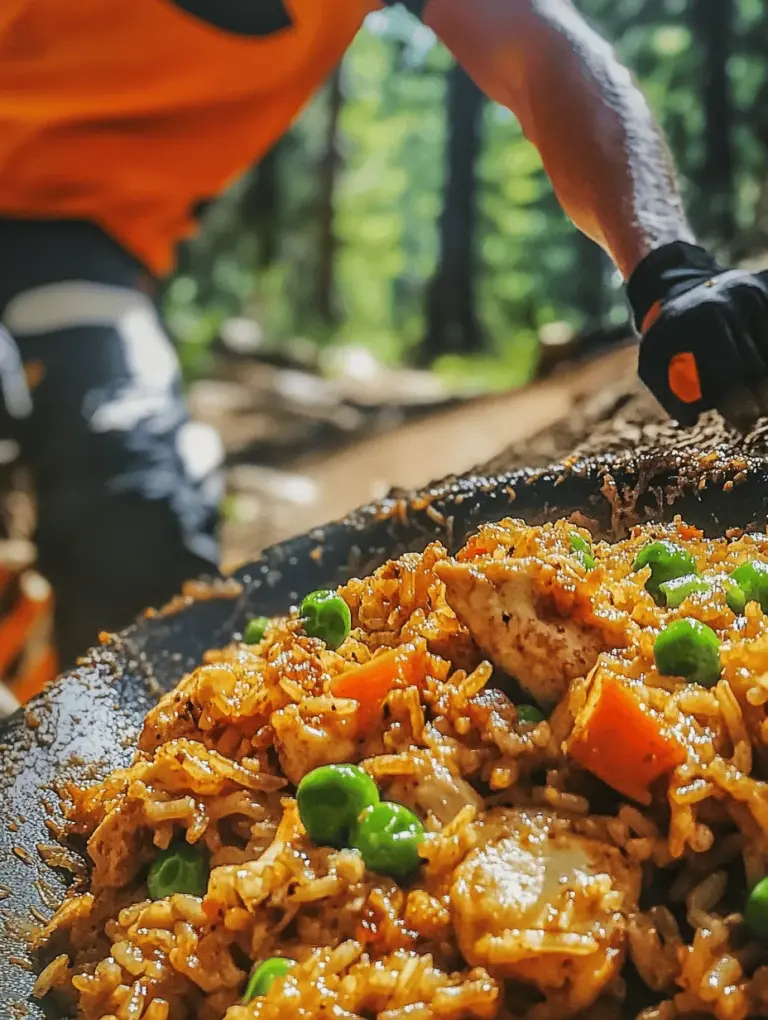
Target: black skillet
{"x": 87, "y": 721}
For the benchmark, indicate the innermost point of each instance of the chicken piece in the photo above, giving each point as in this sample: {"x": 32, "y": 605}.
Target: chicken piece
{"x": 303, "y": 744}
{"x": 537, "y": 902}
{"x": 528, "y": 622}
{"x": 432, "y": 788}
{"x": 119, "y": 847}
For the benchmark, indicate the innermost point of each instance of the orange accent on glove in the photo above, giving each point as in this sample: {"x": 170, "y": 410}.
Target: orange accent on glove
{"x": 683, "y": 377}
{"x": 653, "y": 313}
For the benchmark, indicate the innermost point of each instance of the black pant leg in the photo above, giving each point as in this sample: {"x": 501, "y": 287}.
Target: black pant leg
{"x": 127, "y": 487}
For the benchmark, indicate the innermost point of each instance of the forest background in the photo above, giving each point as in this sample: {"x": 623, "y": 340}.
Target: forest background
{"x": 405, "y": 214}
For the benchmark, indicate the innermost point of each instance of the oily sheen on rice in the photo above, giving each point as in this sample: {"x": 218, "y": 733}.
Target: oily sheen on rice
{"x": 557, "y": 855}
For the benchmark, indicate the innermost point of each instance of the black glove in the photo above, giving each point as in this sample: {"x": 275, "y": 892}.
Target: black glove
{"x": 704, "y": 334}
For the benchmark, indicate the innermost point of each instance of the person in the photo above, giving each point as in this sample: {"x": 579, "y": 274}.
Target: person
{"x": 118, "y": 121}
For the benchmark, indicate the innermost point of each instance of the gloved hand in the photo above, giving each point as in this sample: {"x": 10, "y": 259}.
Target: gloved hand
{"x": 704, "y": 334}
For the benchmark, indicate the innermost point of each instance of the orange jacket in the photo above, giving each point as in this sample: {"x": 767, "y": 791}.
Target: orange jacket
{"x": 129, "y": 113}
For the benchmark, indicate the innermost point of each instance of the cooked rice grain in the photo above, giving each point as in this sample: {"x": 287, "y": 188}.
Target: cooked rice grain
{"x": 527, "y": 902}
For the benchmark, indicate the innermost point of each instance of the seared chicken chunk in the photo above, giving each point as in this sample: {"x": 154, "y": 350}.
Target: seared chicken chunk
{"x": 306, "y": 742}
{"x": 528, "y": 622}
{"x": 537, "y": 902}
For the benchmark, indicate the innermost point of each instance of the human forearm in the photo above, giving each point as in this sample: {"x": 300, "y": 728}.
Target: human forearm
{"x": 600, "y": 145}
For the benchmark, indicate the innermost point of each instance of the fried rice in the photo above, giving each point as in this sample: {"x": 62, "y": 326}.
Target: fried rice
{"x": 594, "y": 861}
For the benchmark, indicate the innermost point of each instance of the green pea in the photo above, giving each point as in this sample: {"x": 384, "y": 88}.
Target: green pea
{"x": 264, "y": 976}
{"x": 752, "y": 578}
{"x": 587, "y": 560}
{"x": 529, "y": 714}
{"x": 579, "y": 543}
{"x": 690, "y": 649}
{"x": 255, "y": 630}
{"x": 182, "y": 868}
{"x": 388, "y": 836}
{"x": 325, "y": 615}
{"x": 582, "y": 551}
{"x": 666, "y": 561}
{"x": 735, "y": 598}
{"x": 756, "y": 910}
{"x": 676, "y": 591}
{"x": 680, "y": 588}
{"x": 330, "y": 800}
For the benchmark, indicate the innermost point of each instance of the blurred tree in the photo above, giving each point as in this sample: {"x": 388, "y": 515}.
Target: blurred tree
{"x": 591, "y": 265}
{"x": 326, "y": 307}
{"x": 713, "y": 24}
{"x": 437, "y": 236}
{"x": 749, "y": 81}
{"x": 452, "y": 324}
{"x": 260, "y": 205}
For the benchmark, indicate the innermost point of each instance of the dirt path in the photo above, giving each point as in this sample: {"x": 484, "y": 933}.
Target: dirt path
{"x": 315, "y": 489}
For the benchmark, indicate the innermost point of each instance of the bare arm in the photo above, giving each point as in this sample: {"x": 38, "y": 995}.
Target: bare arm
{"x": 579, "y": 106}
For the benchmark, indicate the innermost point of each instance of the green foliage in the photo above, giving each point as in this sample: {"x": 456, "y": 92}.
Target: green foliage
{"x": 533, "y": 267}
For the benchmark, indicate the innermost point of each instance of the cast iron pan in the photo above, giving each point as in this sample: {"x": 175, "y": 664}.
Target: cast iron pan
{"x": 87, "y": 722}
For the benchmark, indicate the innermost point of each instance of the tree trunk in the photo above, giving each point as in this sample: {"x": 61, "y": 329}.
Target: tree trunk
{"x": 452, "y": 324}
{"x": 591, "y": 269}
{"x": 260, "y": 207}
{"x": 325, "y": 294}
{"x": 713, "y": 24}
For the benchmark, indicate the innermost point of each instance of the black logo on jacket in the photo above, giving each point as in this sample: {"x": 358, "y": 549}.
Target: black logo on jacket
{"x": 254, "y": 18}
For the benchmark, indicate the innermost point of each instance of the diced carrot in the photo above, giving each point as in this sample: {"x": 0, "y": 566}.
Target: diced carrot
{"x": 370, "y": 683}
{"x": 621, "y": 742}
{"x": 688, "y": 531}
{"x": 475, "y": 547}
{"x": 213, "y": 909}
